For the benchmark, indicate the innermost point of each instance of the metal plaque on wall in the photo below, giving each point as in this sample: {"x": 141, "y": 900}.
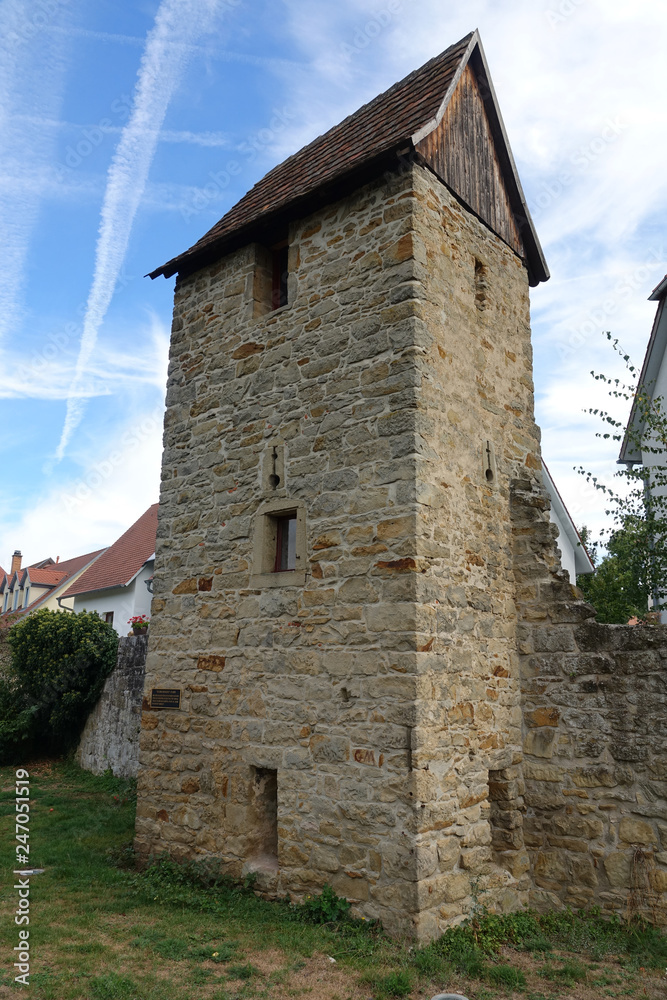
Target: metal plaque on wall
{"x": 165, "y": 698}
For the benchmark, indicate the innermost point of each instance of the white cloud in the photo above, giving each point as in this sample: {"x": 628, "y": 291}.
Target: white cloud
{"x": 48, "y": 373}
{"x": 92, "y": 509}
{"x": 209, "y": 51}
{"x": 178, "y": 23}
{"x": 208, "y": 139}
{"x": 583, "y": 101}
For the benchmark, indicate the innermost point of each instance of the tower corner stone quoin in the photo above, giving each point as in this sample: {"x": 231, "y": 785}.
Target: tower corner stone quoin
{"x": 386, "y": 679}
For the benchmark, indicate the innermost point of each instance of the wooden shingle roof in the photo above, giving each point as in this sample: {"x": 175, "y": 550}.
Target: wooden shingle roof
{"x": 397, "y": 119}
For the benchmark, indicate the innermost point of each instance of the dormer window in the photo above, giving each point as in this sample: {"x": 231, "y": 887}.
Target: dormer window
{"x": 26, "y": 597}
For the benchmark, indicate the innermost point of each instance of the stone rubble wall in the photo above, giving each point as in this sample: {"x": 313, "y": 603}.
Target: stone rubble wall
{"x": 595, "y": 738}
{"x": 110, "y": 738}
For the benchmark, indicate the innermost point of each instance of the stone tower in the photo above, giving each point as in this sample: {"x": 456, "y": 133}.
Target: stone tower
{"x": 335, "y": 610}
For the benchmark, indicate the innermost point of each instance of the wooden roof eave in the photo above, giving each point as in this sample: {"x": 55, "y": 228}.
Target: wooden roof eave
{"x": 435, "y": 121}
{"x": 659, "y": 291}
{"x": 189, "y": 262}
{"x": 535, "y": 260}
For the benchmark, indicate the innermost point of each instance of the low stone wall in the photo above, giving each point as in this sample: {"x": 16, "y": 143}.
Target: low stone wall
{"x": 595, "y": 738}
{"x": 110, "y": 738}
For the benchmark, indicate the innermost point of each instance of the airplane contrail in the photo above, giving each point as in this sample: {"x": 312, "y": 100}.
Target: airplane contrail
{"x": 178, "y": 24}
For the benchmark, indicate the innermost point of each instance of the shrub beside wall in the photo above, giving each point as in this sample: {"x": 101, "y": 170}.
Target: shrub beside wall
{"x": 59, "y": 662}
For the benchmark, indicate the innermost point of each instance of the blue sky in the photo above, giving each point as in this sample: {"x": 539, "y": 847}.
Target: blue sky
{"x": 127, "y": 130}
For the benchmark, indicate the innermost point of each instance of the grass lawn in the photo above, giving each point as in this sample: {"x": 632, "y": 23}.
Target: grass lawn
{"x": 103, "y": 932}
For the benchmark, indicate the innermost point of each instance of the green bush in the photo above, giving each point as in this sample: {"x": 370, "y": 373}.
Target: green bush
{"x": 506, "y": 976}
{"x": 396, "y": 984}
{"x": 58, "y": 666}
{"x": 324, "y": 909}
{"x": 7, "y": 622}
{"x": 17, "y": 719}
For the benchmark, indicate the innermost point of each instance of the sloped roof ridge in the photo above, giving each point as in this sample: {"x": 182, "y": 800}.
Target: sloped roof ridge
{"x": 82, "y": 559}
{"x": 40, "y": 564}
{"x": 575, "y": 538}
{"x": 630, "y": 453}
{"x": 245, "y": 213}
{"x": 120, "y": 563}
{"x": 378, "y": 99}
{"x": 659, "y": 291}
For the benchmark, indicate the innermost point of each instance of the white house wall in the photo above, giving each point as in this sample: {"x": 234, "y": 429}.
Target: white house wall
{"x": 660, "y": 389}
{"x": 567, "y": 556}
{"x": 125, "y": 602}
{"x": 650, "y": 459}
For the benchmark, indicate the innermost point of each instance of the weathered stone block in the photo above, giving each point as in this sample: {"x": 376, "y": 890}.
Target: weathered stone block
{"x": 540, "y": 742}
{"x": 636, "y": 831}
{"x": 455, "y": 887}
{"x": 618, "y": 867}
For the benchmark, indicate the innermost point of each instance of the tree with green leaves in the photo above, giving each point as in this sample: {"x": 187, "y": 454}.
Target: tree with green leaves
{"x": 59, "y": 662}
{"x": 631, "y": 575}
{"x": 617, "y": 589}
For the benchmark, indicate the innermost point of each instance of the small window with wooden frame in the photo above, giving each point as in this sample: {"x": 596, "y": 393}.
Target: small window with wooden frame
{"x": 279, "y": 545}
{"x": 271, "y": 283}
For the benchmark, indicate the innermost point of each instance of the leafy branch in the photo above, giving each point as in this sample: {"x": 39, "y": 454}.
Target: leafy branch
{"x": 630, "y": 577}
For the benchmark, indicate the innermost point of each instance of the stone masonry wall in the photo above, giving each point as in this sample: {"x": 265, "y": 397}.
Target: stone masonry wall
{"x": 314, "y": 683}
{"x": 360, "y": 722}
{"x": 110, "y": 738}
{"x": 383, "y": 695}
{"x": 474, "y": 365}
{"x": 595, "y": 748}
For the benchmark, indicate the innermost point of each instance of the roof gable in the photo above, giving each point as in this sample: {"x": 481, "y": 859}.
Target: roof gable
{"x": 630, "y": 453}
{"x": 50, "y": 580}
{"x": 582, "y": 561}
{"x": 462, "y": 151}
{"x": 400, "y": 119}
{"x": 121, "y": 562}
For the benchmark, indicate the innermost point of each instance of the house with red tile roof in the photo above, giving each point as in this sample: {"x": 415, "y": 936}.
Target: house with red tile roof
{"x": 118, "y": 585}
{"x": 41, "y": 585}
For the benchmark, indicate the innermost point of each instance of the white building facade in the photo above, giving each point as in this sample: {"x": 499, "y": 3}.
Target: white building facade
{"x": 573, "y": 555}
